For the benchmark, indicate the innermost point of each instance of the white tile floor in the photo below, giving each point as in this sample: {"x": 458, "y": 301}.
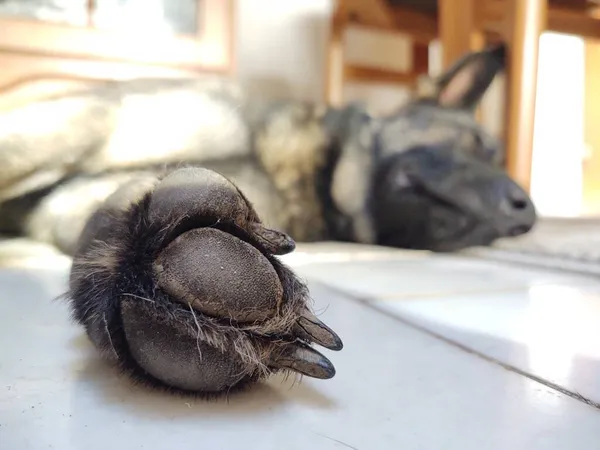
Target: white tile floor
{"x": 397, "y": 387}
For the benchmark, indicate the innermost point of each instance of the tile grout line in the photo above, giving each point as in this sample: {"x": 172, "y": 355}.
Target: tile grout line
{"x": 458, "y": 292}
{"x": 396, "y": 296}
{"x": 535, "y": 261}
{"x": 370, "y": 304}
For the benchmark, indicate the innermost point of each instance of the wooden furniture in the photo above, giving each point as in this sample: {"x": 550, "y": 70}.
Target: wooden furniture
{"x": 377, "y": 15}
{"x": 463, "y": 26}
{"x": 104, "y": 39}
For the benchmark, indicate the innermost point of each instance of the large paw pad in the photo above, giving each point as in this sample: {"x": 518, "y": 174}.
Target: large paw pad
{"x": 182, "y": 288}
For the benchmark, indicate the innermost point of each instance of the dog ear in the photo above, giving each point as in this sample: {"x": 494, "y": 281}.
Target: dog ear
{"x": 465, "y": 83}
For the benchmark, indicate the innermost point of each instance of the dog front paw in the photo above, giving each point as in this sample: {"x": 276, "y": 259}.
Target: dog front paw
{"x": 177, "y": 282}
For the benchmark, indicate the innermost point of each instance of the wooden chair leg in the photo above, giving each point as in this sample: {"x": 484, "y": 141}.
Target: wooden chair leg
{"x": 458, "y": 32}
{"x": 591, "y": 166}
{"x": 420, "y": 62}
{"x": 526, "y": 20}
{"x": 334, "y": 79}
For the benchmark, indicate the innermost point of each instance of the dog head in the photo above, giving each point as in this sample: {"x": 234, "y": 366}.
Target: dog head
{"x": 429, "y": 176}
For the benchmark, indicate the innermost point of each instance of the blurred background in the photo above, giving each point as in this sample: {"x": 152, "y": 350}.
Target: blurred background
{"x": 373, "y": 51}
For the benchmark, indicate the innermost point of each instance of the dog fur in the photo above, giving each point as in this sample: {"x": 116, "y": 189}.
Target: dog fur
{"x": 311, "y": 171}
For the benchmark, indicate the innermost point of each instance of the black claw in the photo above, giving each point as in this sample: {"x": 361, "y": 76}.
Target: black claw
{"x": 310, "y": 328}
{"x": 305, "y": 360}
{"x": 276, "y": 242}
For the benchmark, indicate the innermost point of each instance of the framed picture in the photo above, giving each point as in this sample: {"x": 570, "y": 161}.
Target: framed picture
{"x": 113, "y": 39}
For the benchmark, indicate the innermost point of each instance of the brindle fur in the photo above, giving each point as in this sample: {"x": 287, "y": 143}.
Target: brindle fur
{"x": 98, "y": 173}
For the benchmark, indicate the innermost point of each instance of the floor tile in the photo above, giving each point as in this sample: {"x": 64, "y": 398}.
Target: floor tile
{"x": 431, "y": 275}
{"x": 395, "y": 388}
{"x": 341, "y": 252}
{"x": 550, "y": 331}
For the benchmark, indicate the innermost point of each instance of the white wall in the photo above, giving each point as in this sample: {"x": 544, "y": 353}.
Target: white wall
{"x": 281, "y": 49}
{"x": 280, "y": 45}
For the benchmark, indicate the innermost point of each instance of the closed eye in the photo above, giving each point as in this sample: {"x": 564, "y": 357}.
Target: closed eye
{"x": 483, "y": 151}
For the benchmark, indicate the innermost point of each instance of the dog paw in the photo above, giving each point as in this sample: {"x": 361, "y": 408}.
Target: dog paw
{"x": 176, "y": 280}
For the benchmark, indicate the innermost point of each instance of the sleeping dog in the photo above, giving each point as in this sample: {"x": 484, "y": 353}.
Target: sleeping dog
{"x": 174, "y": 198}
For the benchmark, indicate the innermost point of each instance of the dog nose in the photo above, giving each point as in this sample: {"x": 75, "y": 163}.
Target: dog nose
{"x": 520, "y": 211}
{"x": 518, "y": 200}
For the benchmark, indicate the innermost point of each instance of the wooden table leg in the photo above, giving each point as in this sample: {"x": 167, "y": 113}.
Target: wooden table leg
{"x": 526, "y": 20}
